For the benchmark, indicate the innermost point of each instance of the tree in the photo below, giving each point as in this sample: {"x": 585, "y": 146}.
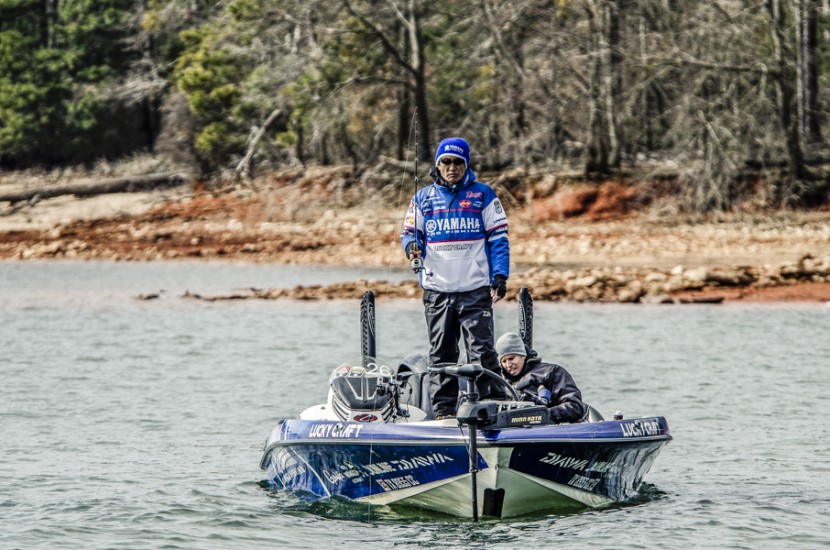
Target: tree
{"x": 57, "y": 63}
{"x": 604, "y": 150}
{"x": 785, "y": 82}
{"x": 722, "y": 89}
{"x": 808, "y": 70}
{"x": 406, "y": 50}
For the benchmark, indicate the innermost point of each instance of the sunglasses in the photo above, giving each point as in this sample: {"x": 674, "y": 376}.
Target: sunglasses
{"x": 457, "y": 161}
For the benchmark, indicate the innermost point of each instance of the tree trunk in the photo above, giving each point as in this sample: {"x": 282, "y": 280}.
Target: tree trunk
{"x": 409, "y": 56}
{"x": 508, "y": 44}
{"x": 418, "y": 64}
{"x": 808, "y": 75}
{"x": 243, "y": 169}
{"x": 48, "y": 15}
{"x": 88, "y": 188}
{"x": 616, "y": 19}
{"x": 598, "y": 146}
{"x": 785, "y": 79}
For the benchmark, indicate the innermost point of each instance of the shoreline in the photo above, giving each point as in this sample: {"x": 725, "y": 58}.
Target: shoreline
{"x": 793, "y": 291}
{"x": 629, "y": 258}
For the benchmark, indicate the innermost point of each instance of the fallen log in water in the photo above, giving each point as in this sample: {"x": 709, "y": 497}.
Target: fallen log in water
{"x": 88, "y": 188}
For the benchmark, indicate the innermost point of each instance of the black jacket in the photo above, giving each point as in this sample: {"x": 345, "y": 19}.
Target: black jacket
{"x": 566, "y": 400}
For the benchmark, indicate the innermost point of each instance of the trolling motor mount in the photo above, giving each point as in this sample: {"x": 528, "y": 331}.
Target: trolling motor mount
{"x": 492, "y": 415}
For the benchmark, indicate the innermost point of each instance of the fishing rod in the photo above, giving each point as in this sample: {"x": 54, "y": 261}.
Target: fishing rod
{"x": 416, "y": 263}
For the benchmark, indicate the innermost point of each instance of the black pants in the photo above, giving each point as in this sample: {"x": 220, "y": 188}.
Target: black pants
{"x": 453, "y": 315}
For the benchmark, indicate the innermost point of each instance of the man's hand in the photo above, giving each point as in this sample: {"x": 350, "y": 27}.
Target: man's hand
{"x": 499, "y": 288}
{"x": 413, "y": 251}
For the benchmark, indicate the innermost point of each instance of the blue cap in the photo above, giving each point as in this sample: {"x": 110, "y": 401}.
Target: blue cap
{"x": 453, "y": 147}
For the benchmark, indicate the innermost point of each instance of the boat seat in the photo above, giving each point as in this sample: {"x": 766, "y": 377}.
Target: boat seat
{"x": 592, "y": 415}
{"x": 417, "y": 383}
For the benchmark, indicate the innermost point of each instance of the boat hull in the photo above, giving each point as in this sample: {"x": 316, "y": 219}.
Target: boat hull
{"x": 426, "y": 464}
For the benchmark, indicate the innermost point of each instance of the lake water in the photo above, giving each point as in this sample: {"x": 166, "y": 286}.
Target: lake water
{"x": 139, "y": 424}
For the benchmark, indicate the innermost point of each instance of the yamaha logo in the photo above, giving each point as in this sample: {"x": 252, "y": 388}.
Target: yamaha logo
{"x": 431, "y": 225}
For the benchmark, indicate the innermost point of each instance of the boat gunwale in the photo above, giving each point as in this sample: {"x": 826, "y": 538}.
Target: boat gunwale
{"x": 459, "y": 442}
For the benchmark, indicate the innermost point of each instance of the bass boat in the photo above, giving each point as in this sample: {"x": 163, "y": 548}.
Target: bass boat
{"x": 375, "y": 441}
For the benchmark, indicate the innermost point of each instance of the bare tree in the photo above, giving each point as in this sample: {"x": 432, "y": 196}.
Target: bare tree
{"x": 785, "y": 79}
{"x": 603, "y": 150}
{"x": 599, "y": 84}
{"x": 616, "y": 58}
{"x": 808, "y": 72}
{"x": 407, "y": 53}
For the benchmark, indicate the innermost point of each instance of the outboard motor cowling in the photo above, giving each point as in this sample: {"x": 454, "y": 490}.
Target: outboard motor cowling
{"x": 358, "y": 394}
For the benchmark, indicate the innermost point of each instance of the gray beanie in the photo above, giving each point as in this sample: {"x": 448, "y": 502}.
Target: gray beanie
{"x": 510, "y": 343}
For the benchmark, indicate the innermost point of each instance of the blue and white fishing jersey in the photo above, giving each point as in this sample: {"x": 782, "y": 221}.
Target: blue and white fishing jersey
{"x": 462, "y": 235}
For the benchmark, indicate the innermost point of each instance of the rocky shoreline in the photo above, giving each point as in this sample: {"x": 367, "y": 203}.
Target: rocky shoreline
{"x": 805, "y": 280}
{"x": 628, "y": 258}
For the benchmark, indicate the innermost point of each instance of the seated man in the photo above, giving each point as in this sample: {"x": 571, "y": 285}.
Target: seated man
{"x": 519, "y": 364}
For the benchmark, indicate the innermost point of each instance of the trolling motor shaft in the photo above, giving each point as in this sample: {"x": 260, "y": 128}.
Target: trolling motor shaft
{"x": 468, "y": 374}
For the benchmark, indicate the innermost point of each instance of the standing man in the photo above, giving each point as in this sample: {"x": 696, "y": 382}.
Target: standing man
{"x": 458, "y": 229}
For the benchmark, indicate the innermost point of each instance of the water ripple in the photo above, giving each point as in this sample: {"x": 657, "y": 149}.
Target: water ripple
{"x": 128, "y": 424}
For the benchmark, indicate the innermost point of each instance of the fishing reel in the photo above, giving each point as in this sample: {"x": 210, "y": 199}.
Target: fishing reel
{"x": 416, "y": 263}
